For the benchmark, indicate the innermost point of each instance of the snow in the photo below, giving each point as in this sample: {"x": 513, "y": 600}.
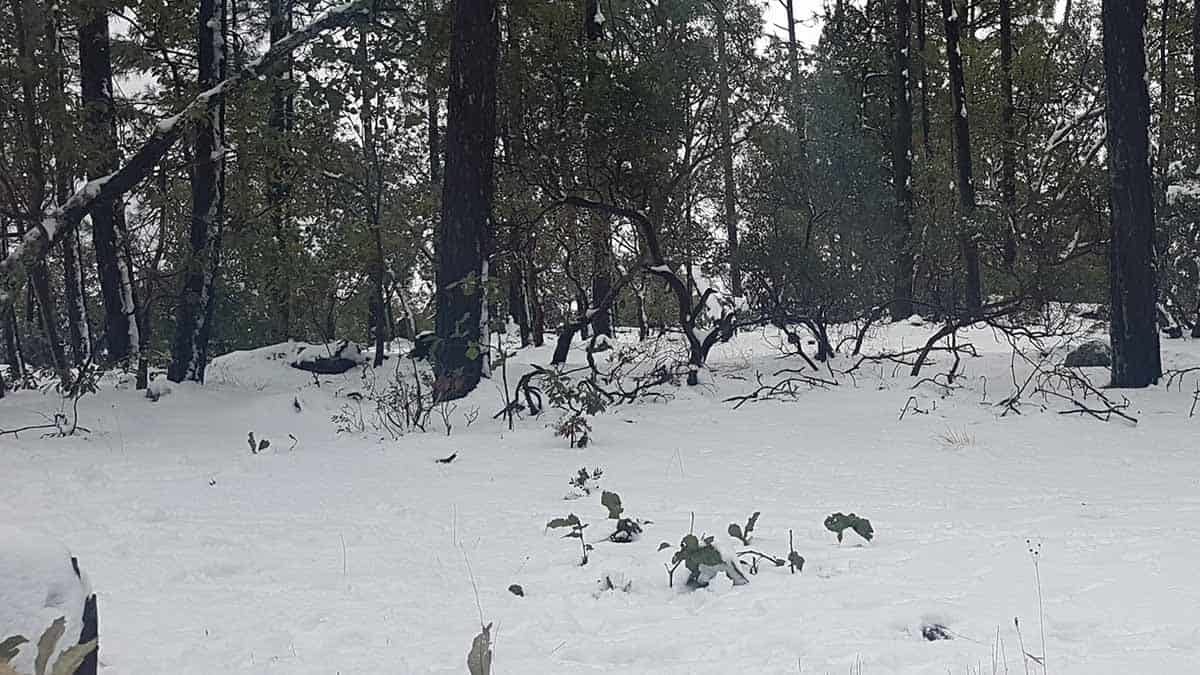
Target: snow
{"x": 38, "y": 585}
{"x": 348, "y": 553}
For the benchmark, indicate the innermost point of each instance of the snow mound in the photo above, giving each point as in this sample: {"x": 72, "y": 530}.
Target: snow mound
{"x": 38, "y": 585}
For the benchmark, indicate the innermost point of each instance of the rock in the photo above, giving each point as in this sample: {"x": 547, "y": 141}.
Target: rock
{"x": 935, "y": 631}
{"x": 334, "y": 358}
{"x": 1095, "y": 313}
{"x": 1091, "y": 354}
{"x": 1174, "y": 331}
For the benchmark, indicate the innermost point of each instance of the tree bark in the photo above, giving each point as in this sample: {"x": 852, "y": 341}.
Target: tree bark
{"x": 967, "y": 228}
{"x": 376, "y": 271}
{"x": 467, "y": 191}
{"x": 194, "y": 311}
{"x": 1133, "y": 285}
{"x": 1008, "y": 142}
{"x": 280, "y": 114}
{"x": 902, "y": 274}
{"x": 1166, "y": 112}
{"x": 599, "y": 227}
{"x": 725, "y": 119}
{"x": 100, "y": 158}
{"x": 923, "y": 76}
{"x": 1196, "y": 74}
{"x": 56, "y": 104}
{"x": 25, "y": 15}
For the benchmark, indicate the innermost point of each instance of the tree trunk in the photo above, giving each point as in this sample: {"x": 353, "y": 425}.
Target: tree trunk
{"x": 376, "y": 310}
{"x": 725, "y": 119}
{"x": 1008, "y": 142}
{"x": 902, "y": 275}
{"x": 1196, "y": 74}
{"x": 280, "y": 114}
{"x": 599, "y": 226}
{"x": 537, "y": 311}
{"x": 25, "y": 15}
{"x": 967, "y": 229}
{"x": 799, "y": 120}
{"x": 194, "y": 311}
{"x": 466, "y": 199}
{"x": 1136, "y": 358}
{"x": 8, "y": 322}
{"x": 56, "y": 104}
{"x": 923, "y": 76}
{"x": 1166, "y": 112}
{"x": 100, "y": 158}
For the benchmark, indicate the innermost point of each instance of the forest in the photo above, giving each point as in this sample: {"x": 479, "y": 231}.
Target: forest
{"x": 861, "y": 336}
{"x": 178, "y": 185}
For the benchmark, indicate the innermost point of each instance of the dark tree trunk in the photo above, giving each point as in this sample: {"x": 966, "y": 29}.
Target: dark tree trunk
{"x": 25, "y": 13}
{"x": 599, "y": 227}
{"x": 1196, "y": 74}
{"x": 967, "y": 229}
{"x": 377, "y": 321}
{"x": 517, "y": 306}
{"x": 923, "y": 75}
{"x": 725, "y": 118}
{"x": 1166, "y": 112}
{"x": 1008, "y": 142}
{"x": 799, "y": 118}
{"x": 100, "y": 158}
{"x": 432, "y": 102}
{"x": 8, "y": 322}
{"x": 194, "y": 310}
{"x": 537, "y": 311}
{"x": 466, "y": 198}
{"x": 73, "y": 294}
{"x": 1136, "y": 358}
{"x": 902, "y": 274}
{"x": 280, "y": 114}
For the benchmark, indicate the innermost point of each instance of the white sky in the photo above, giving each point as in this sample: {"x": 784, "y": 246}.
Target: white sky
{"x": 808, "y": 30}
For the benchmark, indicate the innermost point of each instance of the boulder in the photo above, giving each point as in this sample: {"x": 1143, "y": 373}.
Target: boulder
{"x": 334, "y": 358}
{"x": 1091, "y": 354}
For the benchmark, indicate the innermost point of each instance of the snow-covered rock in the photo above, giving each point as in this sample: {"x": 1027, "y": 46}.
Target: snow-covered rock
{"x": 40, "y": 582}
{"x": 1093, "y": 353}
{"x": 158, "y": 388}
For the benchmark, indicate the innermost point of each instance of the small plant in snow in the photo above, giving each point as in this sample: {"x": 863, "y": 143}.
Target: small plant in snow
{"x": 704, "y": 561}
{"x": 66, "y": 663}
{"x": 479, "y": 659}
{"x": 628, "y": 529}
{"x": 613, "y": 581}
{"x": 577, "y": 401}
{"x": 584, "y": 483}
{"x": 256, "y": 446}
{"x": 839, "y": 522}
{"x": 577, "y": 526}
{"x": 741, "y": 533}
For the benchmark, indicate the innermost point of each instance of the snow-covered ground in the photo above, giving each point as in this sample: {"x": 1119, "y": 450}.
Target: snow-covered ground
{"x": 356, "y": 553}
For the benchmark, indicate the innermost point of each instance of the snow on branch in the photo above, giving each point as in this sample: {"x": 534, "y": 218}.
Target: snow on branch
{"x": 58, "y": 220}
